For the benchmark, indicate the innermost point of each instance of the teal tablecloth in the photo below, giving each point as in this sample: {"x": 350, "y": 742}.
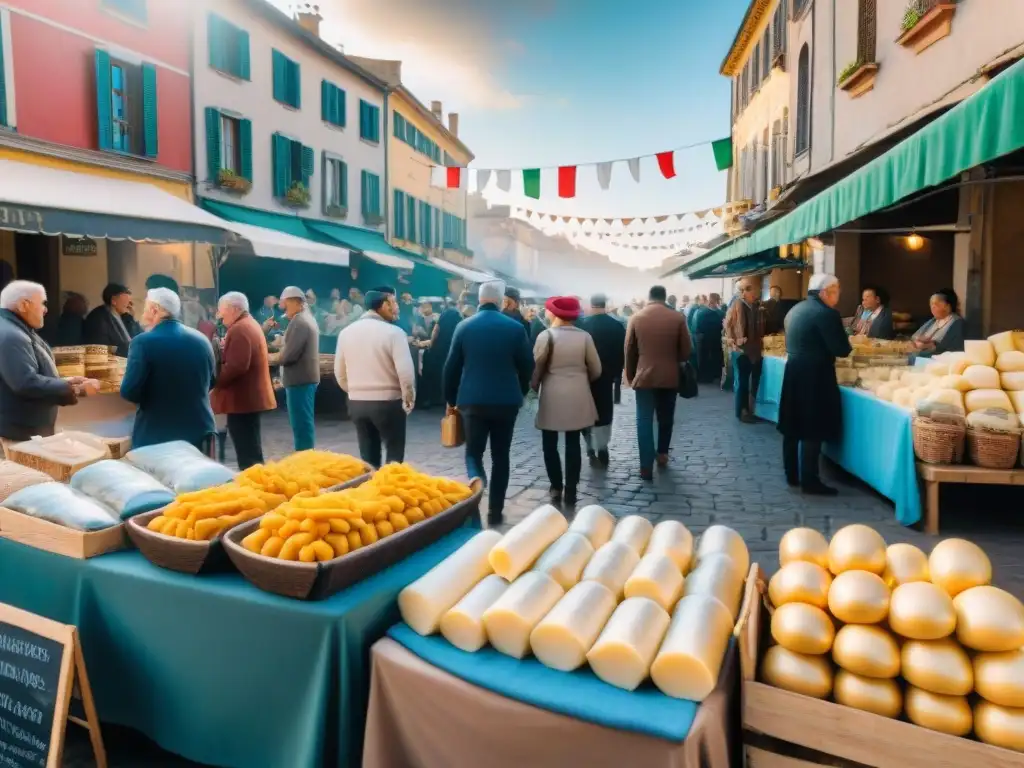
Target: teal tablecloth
{"x": 210, "y": 667}
{"x": 877, "y": 444}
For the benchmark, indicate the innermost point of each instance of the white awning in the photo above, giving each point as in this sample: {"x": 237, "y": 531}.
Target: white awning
{"x": 280, "y": 245}
{"x": 470, "y": 275}
{"x": 387, "y": 260}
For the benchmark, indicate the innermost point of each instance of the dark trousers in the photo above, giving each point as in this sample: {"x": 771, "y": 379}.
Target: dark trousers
{"x": 553, "y": 462}
{"x": 748, "y": 379}
{"x": 244, "y": 429}
{"x": 800, "y": 459}
{"x": 495, "y": 423}
{"x": 651, "y": 404}
{"x": 379, "y": 422}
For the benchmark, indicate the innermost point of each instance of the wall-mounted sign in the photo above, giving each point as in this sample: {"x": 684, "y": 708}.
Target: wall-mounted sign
{"x": 78, "y": 246}
{"x": 21, "y": 219}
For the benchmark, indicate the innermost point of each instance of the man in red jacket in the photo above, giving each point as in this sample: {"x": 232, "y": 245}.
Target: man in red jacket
{"x": 243, "y": 389}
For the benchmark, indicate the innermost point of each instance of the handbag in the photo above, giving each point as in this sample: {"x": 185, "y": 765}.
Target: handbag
{"x": 452, "y": 433}
{"x": 687, "y": 381}
{"x": 541, "y": 371}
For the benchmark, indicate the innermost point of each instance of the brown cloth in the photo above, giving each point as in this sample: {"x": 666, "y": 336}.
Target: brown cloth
{"x": 747, "y": 322}
{"x": 657, "y": 343}
{"x": 243, "y": 384}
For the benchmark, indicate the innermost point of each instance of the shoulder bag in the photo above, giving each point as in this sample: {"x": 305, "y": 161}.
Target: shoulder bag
{"x": 541, "y": 371}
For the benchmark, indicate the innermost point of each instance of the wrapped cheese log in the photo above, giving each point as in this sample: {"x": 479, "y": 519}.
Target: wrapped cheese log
{"x": 628, "y": 643}
{"x": 672, "y": 538}
{"x": 427, "y": 599}
{"x": 512, "y": 617}
{"x": 611, "y": 565}
{"x": 658, "y": 578}
{"x": 634, "y": 531}
{"x": 463, "y": 624}
{"x": 565, "y": 559}
{"x": 720, "y": 539}
{"x": 526, "y": 541}
{"x": 596, "y": 523}
{"x": 690, "y": 657}
{"x": 564, "y": 636}
{"x": 717, "y": 576}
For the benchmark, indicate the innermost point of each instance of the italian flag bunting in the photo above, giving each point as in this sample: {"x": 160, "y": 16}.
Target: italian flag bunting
{"x": 448, "y": 178}
{"x": 667, "y": 164}
{"x": 567, "y": 181}
{"x": 531, "y": 183}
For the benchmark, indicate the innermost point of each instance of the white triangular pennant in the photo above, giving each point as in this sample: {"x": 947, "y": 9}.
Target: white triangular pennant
{"x": 482, "y": 177}
{"x": 634, "y": 168}
{"x": 504, "y": 180}
{"x": 604, "y": 174}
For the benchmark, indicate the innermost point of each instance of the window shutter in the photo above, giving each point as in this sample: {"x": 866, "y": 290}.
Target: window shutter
{"x": 243, "y": 54}
{"x": 325, "y": 192}
{"x": 399, "y": 214}
{"x": 150, "y": 120}
{"x": 3, "y": 83}
{"x": 215, "y": 41}
{"x": 410, "y": 224}
{"x": 325, "y": 101}
{"x": 437, "y": 228}
{"x": 295, "y": 84}
{"x": 104, "y": 118}
{"x": 343, "y": 171}
{"x": 339, "y": 106}
{"x": 280, "y": 77}
{"x": 212, "y": 143}
{"x": 364, "y": 192}
{"x": 308, "y": 159}
{"x": 282, "y": 164}
{"x": 245, "y": 148}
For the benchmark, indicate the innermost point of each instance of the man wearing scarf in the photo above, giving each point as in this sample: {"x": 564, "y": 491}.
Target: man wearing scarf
{"x": 744, "y": 334}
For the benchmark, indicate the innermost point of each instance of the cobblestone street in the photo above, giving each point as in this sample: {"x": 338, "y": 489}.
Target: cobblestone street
{"x": 721, "y": 472}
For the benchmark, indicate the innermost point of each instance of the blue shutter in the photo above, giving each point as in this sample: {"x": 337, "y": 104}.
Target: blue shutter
{"x": 295, "y": 84}
{"x": 104, "y": 118}
{"x": 150, "y": 119}
{"x": 212, "y": 143}
{"x": 245, "y": 148}
{"x": 341, "y": 107}
{"x": 215, "y": 28}
{"x": 410, "y": 224}
{"x": 325, "y": 101}
{"x": 437, "y": 228}
{"x": 243, "y": 54}
{"x": 308, "y": 159}
{"x": 364, "y": 192}
{"x": 399, "y": 214}
{"x": 3, "y": 83}
{"x": 280, "y": 77}
{"x": 281, "y": 157}
{"x": 343, "y": 172}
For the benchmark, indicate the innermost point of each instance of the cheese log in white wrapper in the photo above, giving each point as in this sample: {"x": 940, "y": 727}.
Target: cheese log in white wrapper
{"x": 463, "y": 624}
{"x": 634, "y": 531}
{"x": 564, "y": 636}
{"x": 690, "y": 657}
{"x": 672, "y": 538}
{"x": 628, "y": 643}
{"x": 526, "y": 541}
{"x": 565, "y": 560}
{"x": 512, "y": 617}
{"x": 719, "y": 538}
{"x": 656, "y": 577}
{"x": 427, "y": 599}
{"x": 719, "y": 577}
{"x": 596, "y": 523}
{"x": 611, "y": 565}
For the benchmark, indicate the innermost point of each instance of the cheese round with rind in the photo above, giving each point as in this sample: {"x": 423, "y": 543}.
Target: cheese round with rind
{"x": 563, "y": 637}
{"x": 526, "y": 541}
{"x": 672, "y": 538}
{"x": 951, "y": 397}
{"x": 463, "y": 625}
{"x": 800, "y": 582}
{"x": 1010, "y": 361}
{"x": 426, "y": 600}
{"x": 904, "y": 563}
{"x": 718, "y": 576}
{"x": 611, "y": 565}
{"x": 1012, "y": 381}
{"x": 980, "y": 352}
{"x": 982, "y": 377}
{"x": 921, "y": 611}
{"x": 634, "y": 531}
{"x": 656, "y": 577}
{"x": 999, "y": 726}
{"x": 797, "y": 672}
{"x": 956, "y": 565}
{"x": 565, "y": 560}
{"x": 627, "y": 645}
{"x": 1004, "y": 342}
{"x": 859, "y": 597}
{"x": 946, "y": 714}
{"x": 989, "y": 619}
{"x": 880, "y": 696}
{"x": 722, "y": 539}
{"x": 512, "y": 617}
{"x": 959, "y": 362}
{"x": 596, "y": 523}
{"x": 856, "y": 548}
{"x": 866, "y": 650}
{"x": 803, "y": 628}
{"x": 939, "y": 666}
{"x": 955, "y": 381}
{"x": 999, "y": 677}
{"x": 982, "y": 399}
{"x": 690, "y": 656}
{"x": 803, "y": 544}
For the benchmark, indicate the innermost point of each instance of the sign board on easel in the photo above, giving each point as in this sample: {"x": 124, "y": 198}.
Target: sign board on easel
{"x": 41, "y": 664}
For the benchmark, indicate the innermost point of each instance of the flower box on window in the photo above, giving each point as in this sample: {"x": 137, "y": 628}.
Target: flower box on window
{"x": 336, "y": 211}
{"x": 297, "y": 195}
{"x": 925, "y": 23}
{"x": 232, "y": 182}
{"x": 858, "y": 78}
{"x": 373, "y": 219}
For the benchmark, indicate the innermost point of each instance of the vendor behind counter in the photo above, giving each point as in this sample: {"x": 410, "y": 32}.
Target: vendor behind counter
{"x": 945, "y": 331}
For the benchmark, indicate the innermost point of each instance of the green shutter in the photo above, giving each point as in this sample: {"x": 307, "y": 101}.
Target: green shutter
{"x": 281, "y": 157}
{"x": 215, "y": 28}
{"x": 344, "y": 182}
{"x": 104, "y": 118}
{"x": 399, "y": 212}
{"x": 280, "y": 77}
{"x": 339, "y": 107}
{"x": 295, "y": 84}
{"x": 243, "y": 54}
{"x": 245, "y": 148}
{"x": 410, "y": 224}
{"x": 325, "y": 101}
{"x": 308, "y": 159}
{"x": 364, "y": 194}
{"x": 437, "y": 228}
{"x": 398, "y": 126}
{"x": 212, "y": 143}
{"x": 150, "y": 119}
{"x": 3, "y": 82}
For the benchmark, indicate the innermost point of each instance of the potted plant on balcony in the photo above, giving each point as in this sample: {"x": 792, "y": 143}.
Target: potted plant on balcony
{"x": 926, "y": 22}
{"x": 335, "y": 211}
{"x": 373, "y": 219}
{"x": 297, "y": 195}
{"x": 857, "y": 77}
{"x": 233, "y": 182}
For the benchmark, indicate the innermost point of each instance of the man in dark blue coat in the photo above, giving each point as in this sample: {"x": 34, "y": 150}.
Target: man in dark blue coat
{"x": 486, "y": 377}
{"x": 610, "y": 339}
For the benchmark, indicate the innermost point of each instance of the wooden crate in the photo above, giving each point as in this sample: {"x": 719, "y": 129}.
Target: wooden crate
{"x": 51, "y": 537}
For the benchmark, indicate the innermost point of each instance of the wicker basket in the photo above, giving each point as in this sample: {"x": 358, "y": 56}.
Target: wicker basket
{"x": 316, "y": 581}
{"x": 937, "y": 442}
{"x": 993, "y": 450}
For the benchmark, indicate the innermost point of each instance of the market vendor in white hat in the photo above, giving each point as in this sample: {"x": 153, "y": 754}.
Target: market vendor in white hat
{"x": 300, "y": 366}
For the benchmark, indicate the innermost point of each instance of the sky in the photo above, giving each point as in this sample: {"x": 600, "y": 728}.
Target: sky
{"x": 541, "y": 83}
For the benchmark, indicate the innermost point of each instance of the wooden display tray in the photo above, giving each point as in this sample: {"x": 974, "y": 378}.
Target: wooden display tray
{"x": 51, "y": 537}
{"x": 933, "y": 475}
{"x": 782, "y": 729}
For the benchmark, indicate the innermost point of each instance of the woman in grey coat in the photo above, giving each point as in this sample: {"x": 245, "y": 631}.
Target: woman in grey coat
{"x": 566, "y": 362}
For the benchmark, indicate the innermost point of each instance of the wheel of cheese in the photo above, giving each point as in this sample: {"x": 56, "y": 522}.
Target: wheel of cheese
{"x": 803, "y": 628}
{"x": 800, "y": 582}
{"x": 803, "y": 544}
{"x": 717, "y": 576}
{"x": 921, "y": 611}
{"x": 982, "y": 377}
{"x": 946, "y": 714}
{"x": 565, "y": 560}
{"x": 999, "y": 726}
{"x": 672, "y": 538}
{"x": 937, "y": 368}
{"x": 633, "y": 531}
{"x": 989, "y": 619}
{"x": 1005, "y": 341}
{"x": 719, "y": 539}
{"x": 526, "y": 541}
{"x": 690, "y": 656}
{"x": 958, "y": 363}
{"x": 879, "y": 696}
{"x": 797, "y": 672}
{"x": 611, "y": 565}
{"x": 859, "y": 597}
{"x": 1016, "y": 401}
{"x": 901, "y": 396}
{"x": 563, "y": 637}
{"x": 955, "y": 381}
{"x": 1012, "y": 381}
{"x": 1010, "y": 361}
{"x": 512, "y": 617}
{"x": 856, "y": 548}
{"x": 985, "y": 399}
{"x": 904, "y": 563}
{"x": 957, "y": 565}
{"x": 980, "y": 352}
{"x": 885, "y": 391}
{"x": 939, "y": 666}
{"x": 951, "y": 397}
{"x": 656, "y": 577}
{"x": 463, "y": 624}
{"x": 866, "y": 650}
{"x": 426, "y": 600}
{"x": 999, "y": 677}
{"x": 627, "y": 645}
{"x": 596, "y": 523}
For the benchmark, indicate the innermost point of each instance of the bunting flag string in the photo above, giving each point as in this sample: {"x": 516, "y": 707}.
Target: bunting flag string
{"x": 713, "y": 215}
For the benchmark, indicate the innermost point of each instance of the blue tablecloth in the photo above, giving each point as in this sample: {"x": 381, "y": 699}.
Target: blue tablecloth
{"x": 212, "y": 668}
{"x": 877, "y": 444}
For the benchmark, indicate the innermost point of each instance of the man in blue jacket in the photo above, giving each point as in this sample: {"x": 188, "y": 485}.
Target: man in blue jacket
{"x": 486, "y": 375}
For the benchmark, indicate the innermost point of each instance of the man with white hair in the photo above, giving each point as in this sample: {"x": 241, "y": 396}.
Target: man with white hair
{"x": 30, "y": 388}
{"x": 300, "y": 366}
{"x": 243, "y": 389}
{"x": 169, "y": 375}
{"x": 810, "y": 408}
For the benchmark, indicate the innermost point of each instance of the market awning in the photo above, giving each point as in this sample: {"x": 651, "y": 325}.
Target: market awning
{"x": 370, "y": 244}
{"x": 983, "y": 127}
{"x": 49, "y": 201}
{"x": 470, "y": 275}
{"x": 758, "y": 263}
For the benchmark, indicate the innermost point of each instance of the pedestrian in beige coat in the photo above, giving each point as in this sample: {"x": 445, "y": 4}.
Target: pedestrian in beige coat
{"x": 566, "y": 362}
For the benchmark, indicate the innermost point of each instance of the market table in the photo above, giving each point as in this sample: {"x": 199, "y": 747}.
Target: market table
{"x": 212, "y": 668}
{"x": 877, "y": 444}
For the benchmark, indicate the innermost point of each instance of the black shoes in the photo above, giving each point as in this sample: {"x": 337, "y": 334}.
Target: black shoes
{"x": 555, "y": 495}
{"x": 591, "y": 456}
{"x": 819, "y": 489}
{"x": 570, "y": 498}
{"x": 495, "y": 519}
{"x": 602, "y": 458}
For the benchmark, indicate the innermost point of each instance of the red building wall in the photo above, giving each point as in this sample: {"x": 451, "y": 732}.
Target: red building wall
{"x": 54, "y": 43}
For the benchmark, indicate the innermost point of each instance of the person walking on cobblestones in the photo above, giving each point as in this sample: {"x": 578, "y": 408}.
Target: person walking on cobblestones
{"x": 744, "y": 335}
{"x": 610, "y": 340}
{"x": 300, "y": 366}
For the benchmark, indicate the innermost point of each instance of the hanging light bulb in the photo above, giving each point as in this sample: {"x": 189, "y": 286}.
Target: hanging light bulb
{"x": 914, "y": 241}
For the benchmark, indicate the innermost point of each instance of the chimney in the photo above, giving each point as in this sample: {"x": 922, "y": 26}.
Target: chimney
{"x": 453, "y": 123}
{"x": 435, "y": 108}
{"x": 309, "y": 18}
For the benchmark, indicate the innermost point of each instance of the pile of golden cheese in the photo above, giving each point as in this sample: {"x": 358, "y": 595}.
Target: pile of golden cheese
{"x": 892, "y": 631}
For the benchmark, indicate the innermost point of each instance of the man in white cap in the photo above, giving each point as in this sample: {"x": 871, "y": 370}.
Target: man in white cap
{"x": 300, "y": 366}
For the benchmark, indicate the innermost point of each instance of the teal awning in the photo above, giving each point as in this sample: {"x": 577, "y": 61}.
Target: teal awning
{"x": 371, "y": 244}
{"x": 983, "y": 127}
{"x": 749, "y": 265}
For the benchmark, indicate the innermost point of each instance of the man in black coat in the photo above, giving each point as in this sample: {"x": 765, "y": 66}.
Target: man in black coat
{"x": 104, "y": 325}
{"x": 510, "y": 308}
{"x": 810, "y": 408}
{"x": 610, "y": 339}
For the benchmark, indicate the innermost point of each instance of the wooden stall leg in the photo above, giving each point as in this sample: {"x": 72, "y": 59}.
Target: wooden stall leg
{"x": 931, "y": 514}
